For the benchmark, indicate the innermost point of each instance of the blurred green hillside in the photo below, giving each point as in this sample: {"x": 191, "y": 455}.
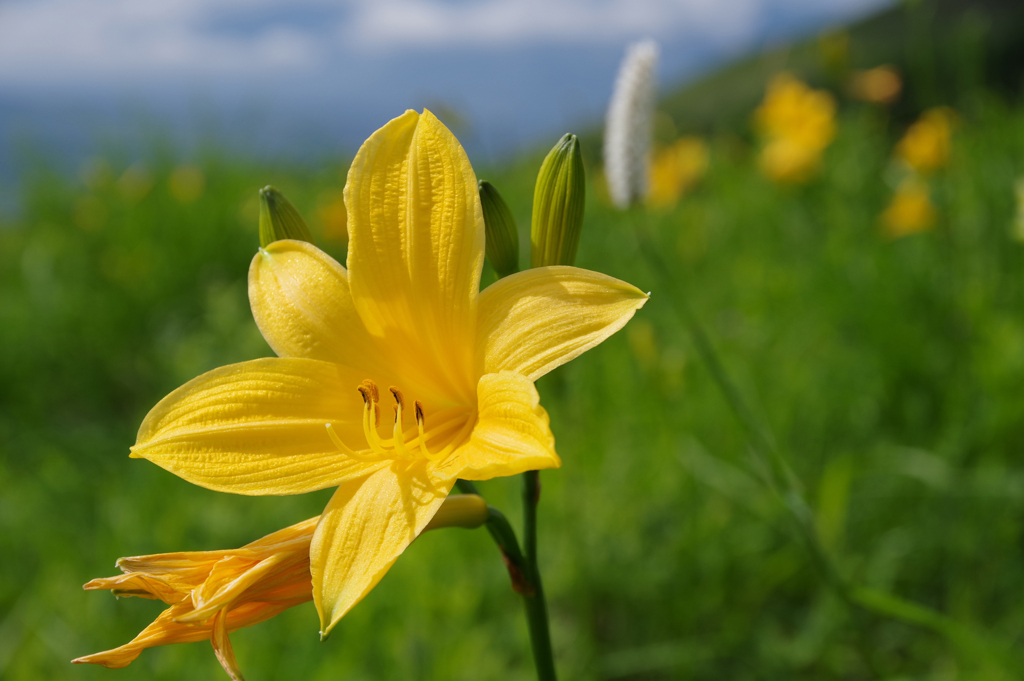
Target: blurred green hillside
{"x": 890, "y": 372}
{"x": 949, "y": 49}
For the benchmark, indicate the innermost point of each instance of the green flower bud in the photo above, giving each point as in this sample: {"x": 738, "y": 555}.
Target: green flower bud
{"x": 502, "y": 233}
{"x": 558, "y": 202}
{"x": 460, "y": 510}
{"x": 279, "y": 219}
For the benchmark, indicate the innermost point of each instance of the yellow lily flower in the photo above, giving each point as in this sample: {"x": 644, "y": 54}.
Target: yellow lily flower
{"x": 212, "y": 593}
{"x": 406, "y": 314}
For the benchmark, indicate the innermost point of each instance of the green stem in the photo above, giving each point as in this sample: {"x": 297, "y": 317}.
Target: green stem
{"x": 505, "y": 537}
{"x": 523, "y": 569}
{"x": 536, "y": 606}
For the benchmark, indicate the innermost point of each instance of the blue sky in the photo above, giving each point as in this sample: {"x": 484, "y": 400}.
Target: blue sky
{"x": 311, "y": 77}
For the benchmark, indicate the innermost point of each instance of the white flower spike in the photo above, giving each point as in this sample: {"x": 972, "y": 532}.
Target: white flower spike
{"x": 627, "y": 136}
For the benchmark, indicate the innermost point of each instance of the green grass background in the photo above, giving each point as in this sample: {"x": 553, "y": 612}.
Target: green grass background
{"x": 890, "y": 372}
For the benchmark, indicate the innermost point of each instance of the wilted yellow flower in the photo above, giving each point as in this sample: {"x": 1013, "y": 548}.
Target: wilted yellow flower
{"x": 880, "y": 85}
{"x": 675, "y": 169}
{"x": 407, "y": 313}
{"x": 798, "y": 124}
{"x": 212, "y": 593}
{"x": 186, "y": 183}
{"x": 911, "y": 210}
{"x": 926, "y": 145}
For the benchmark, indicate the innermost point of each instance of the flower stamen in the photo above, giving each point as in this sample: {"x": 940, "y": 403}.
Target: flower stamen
{"x": 422, "y": 438}
{"x": 403, "y": 445}
{"x": 398, "y": 437}
{"x": 370, "y": 396}
{"x": 345, "y": 449}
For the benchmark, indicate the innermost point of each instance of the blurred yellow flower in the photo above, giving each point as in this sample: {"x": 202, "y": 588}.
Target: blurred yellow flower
{"x": 407, "y": 313}
{"x": 789, "y": 162}
{"x": 674, "y": 170}
{"x": 186, "y": 183}
{"x": 644, "y": 344}
{"x": 911, "y": 210}
{"x": 880, "y": 85}
{"x": 330, "y": 212}
{"x": 926, "y": 145}
{"x": 1018, "y": 222}
{"x": 135, "y": 183}
{"x": 798, "y": 124}
{"x": 212, "y": 593}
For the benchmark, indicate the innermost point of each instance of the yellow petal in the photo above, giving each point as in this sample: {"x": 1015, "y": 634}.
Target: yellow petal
{"x": 181, "y": 570}
{"x": 140, "y": 586}
{"x": 298, "y": 533}
{"x": 222, "y": 646}
{"x": 534, "y": 321}
{"x": 227, "y": 581}
{"x": 416, "y": 248}
{"x": 301, "y": 301}
{"x": 259, "y": 428}
{"x": 164, "y": 630}
{"x": 512, "y": 433}
{"x": 364, "y": 529}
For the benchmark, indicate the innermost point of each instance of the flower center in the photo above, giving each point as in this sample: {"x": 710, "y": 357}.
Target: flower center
{"x": 449, "y": 429}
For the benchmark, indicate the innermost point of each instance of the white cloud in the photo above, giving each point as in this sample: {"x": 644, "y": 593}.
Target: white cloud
{"x": 66, "y": 40}
{"x": 388, "y": 24}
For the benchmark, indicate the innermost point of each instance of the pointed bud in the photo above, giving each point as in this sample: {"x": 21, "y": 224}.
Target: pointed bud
{"x": 558, "y": 202}
{"x": 502, "y": 234}
{"x": 460, "y": 510}
{"x": 279, "y": 219}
